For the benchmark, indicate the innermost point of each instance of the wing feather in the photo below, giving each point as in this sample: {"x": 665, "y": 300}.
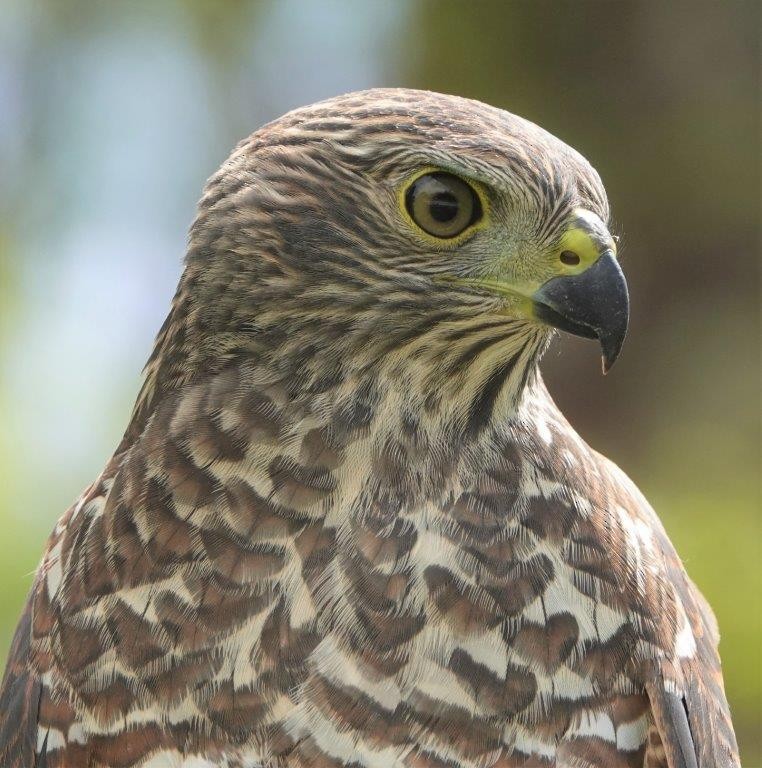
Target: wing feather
{"x": 670, "y": 714}
{"x": 686, "y": 690}
{"x": 20, "y": 694}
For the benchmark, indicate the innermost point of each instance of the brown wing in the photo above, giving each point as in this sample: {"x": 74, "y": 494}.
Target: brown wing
{"x": 676, "y": 659}
{"x": 19, "y": 700}
{"x": 34, "y": 713}
{"x": 687, "y": 696}
{"x": 684, "y": 678}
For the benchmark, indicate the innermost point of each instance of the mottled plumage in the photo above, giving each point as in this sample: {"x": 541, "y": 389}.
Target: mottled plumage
{"x": 347, "y": 525}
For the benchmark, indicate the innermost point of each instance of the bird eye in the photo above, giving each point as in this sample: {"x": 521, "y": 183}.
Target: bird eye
{"x": 442, "y": 205}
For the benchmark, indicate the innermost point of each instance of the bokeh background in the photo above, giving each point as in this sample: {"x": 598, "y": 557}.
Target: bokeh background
{"x": 112, "y": 115}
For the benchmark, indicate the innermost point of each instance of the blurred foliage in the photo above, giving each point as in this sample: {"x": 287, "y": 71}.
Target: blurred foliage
{"x": 662, "y": 97}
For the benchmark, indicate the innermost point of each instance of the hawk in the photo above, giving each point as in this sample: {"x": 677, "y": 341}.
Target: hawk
{"x": 347, "y": 525}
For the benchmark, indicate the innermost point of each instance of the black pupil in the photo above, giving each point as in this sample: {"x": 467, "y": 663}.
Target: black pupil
{"x": 443, "y": 207}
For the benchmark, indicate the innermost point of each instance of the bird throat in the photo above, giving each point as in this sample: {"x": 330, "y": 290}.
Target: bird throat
{"x": 452, "y": 377}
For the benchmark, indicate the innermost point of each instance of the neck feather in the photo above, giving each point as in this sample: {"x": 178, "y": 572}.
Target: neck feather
{"x": 455, "y": 372}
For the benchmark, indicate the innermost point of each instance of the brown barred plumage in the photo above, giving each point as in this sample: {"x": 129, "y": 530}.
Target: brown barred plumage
{"x": 347, "y": 526}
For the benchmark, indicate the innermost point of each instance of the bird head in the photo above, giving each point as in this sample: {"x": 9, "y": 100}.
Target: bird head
{"x": 393, "y": 224}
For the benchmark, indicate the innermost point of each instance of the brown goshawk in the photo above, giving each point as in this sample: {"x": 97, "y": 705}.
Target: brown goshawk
{"x": 347, "y": 525}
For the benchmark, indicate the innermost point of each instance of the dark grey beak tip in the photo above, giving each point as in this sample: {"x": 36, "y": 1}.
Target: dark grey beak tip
{"x": 593, "y": 304}
{"x": 609, "y": 355}
{"x": 611, "y": 343}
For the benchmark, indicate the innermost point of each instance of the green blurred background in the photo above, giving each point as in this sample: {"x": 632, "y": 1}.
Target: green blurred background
{"x": 113, "y": 114}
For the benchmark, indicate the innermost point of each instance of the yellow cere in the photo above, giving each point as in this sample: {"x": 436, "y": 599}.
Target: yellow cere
{"x": 588, "y": 239}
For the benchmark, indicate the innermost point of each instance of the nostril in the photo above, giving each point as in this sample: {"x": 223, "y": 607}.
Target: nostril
{"x": 570, "y": 258}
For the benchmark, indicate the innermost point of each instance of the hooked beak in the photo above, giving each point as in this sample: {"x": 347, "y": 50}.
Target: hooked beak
{"x": 594, "y": 304}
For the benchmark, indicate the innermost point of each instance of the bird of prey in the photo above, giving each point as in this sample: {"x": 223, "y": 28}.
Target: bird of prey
{"x": 346, "y": 524}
